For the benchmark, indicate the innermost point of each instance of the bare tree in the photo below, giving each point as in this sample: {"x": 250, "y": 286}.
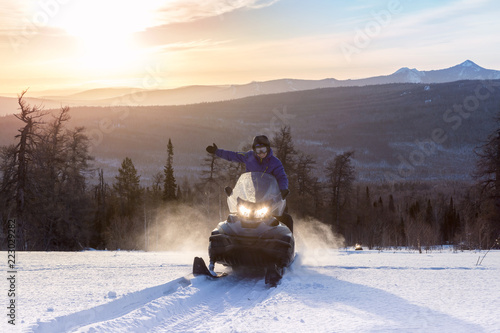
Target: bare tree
{"x": 30, "y": 116}
{"x": 43, "y": 180}
{"x": 340, "y": 175}
{"x": 488, "y": 174}
{"x": 305, "y": 179}
{"x": 307, "y": 200}
{"x": 284, "y": 148}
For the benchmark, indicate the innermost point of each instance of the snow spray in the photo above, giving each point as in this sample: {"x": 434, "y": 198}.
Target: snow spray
{"x": 313, "y": 239}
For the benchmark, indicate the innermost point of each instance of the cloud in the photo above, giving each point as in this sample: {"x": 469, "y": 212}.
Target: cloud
{"x": 11, "y": 12}
{"x": 140, "y": 16}
{"x": 186, "y": 11}
{"x": 449, "y": 18}
{"x": 195, "y": 44}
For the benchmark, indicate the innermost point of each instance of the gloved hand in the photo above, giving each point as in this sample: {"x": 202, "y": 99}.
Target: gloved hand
{"x": 284, "y": 193}
{"x": 212, "y": 149}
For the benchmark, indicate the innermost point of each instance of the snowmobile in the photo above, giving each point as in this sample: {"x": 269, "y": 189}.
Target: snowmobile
{"x": 252, "y": 236}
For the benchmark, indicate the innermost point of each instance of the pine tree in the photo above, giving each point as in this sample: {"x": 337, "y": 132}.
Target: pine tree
{"x": 429, "y": 213}
{"x": 126, "y": 223}
{"x": 101, "y": 195}
{"x": 451, "y": 223}
{"x": 8, "y": 181}
{"x": 170, "y": 186}
{"x": 380, "y": 204}
{"x": 414, "y": 210}
{"x": 368, "y": 199}
{"x": 392, "y": 207}
{"x": 127, "y": 188}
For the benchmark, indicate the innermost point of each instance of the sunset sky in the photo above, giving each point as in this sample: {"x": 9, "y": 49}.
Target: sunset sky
{"x": 84, "y": 44}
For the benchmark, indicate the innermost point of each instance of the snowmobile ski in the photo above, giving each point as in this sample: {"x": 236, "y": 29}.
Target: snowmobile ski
{"x": 200, "y": 268}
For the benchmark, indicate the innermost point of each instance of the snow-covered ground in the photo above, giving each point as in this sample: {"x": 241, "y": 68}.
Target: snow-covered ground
{"x": 324, "y": 291}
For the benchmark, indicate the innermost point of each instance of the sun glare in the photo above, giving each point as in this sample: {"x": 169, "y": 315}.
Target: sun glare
{"x": 93, "y": 18}
{"x": 104, "y": 29}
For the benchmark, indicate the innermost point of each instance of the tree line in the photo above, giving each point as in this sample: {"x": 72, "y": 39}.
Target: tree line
{"x": 414, "y": 215}
{"x": 45, "y": 186}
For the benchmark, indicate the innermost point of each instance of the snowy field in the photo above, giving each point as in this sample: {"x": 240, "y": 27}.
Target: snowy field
{"x": 324, "y": 291}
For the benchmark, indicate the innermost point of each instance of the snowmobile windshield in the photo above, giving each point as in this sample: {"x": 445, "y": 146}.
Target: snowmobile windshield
{"x": 257, "y": 188}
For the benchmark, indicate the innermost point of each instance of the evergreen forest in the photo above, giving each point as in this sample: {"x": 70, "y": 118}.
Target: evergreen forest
{"x": 45, "y": 186}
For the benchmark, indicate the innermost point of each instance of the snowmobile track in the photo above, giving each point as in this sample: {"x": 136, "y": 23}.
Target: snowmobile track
{"x": 178, "y": 305}
{"x": 111, "y": 310}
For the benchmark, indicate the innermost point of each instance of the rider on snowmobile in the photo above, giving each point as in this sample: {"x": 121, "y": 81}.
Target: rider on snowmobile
{"x": 260, "y": 159}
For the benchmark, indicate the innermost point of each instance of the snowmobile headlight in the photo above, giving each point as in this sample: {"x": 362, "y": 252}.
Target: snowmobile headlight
{"x": 244, "y": 211}
{"x": 261, "y": 212}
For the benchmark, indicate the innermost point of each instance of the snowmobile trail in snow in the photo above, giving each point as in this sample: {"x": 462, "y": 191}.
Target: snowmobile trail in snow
{"x": 110, "y": 310}
{"x": 216, "y": 303}
{"x": 178, "y": 305}
{"x": 309, "y": 298}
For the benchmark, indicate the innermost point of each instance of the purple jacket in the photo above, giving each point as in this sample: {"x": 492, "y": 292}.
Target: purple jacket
{"x": 269, "y": 164}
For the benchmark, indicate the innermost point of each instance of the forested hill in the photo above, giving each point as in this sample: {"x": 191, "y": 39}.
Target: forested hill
{"x": 398, "y": 131}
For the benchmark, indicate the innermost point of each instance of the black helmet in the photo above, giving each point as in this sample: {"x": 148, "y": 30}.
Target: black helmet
{"x": 261, "y": 140}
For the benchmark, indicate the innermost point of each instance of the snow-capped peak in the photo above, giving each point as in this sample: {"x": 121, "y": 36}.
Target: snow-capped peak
{"x": 411, "y": 75}
{"x": 405, "y": 70}
{"x": 468, "y": 63}
{"x": 468, "y": 66}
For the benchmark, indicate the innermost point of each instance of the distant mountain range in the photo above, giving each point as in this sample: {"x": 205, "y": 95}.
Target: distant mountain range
{"x": 467, "y": 70}
{"x": 400, "y": 132}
